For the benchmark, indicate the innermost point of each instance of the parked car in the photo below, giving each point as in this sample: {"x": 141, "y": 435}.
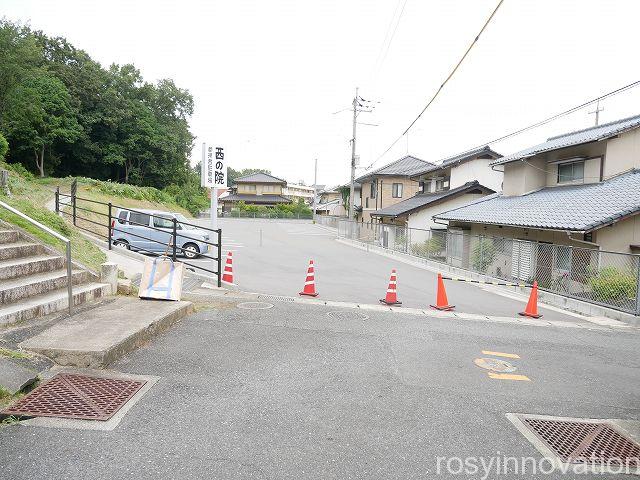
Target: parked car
{"x": 152, "y": 231}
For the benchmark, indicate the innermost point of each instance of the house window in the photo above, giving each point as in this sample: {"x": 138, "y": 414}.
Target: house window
{"x": 396, "y": 190}
{"x": 374, "y": 189}
{"x": 563, "y": 258}
{"x": 427, "y": 186}
{"x": 570, "y": 172}
{"x": 442, "y": 184}
{"x": 366, "y": 202}
{"x": 421, "y": 187}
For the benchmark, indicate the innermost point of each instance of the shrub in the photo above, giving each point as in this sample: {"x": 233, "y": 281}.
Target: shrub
{"x": 429, "y": 247}
{"x": 613, "y": 284}
{"x": 19, "y": 169}
{"x": 4, "y": 147}
{"x": 483, "y": 254}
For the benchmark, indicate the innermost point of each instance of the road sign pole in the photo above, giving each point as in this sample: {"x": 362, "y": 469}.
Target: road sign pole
{"x": 214, "y": 208}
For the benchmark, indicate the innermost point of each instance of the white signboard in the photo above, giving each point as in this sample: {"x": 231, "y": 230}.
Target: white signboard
{"x": 214, "y": 171}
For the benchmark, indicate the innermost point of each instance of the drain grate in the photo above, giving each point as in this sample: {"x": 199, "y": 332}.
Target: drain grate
{"x": 339, "y": 315}
{"x": 595, "y": 443}
{"x": 275, "y": 298}
{"x": 255, "y": 305}
{"x": 76, "y": 396}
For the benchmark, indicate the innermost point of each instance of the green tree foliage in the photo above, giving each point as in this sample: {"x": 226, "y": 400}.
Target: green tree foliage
{"x": 38, "y": 115}
{"x": 106, "y": 123}
{"x": 4, "y": 147}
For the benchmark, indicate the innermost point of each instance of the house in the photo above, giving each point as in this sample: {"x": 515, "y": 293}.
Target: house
{"x": 330, "y": 202}
{"x": 452, "y": 182}
{"x": 255, "y": 189}
{"x": 294, "y": 192}
{"x": 389, "y": 185}
{"x": 577, "y": 189}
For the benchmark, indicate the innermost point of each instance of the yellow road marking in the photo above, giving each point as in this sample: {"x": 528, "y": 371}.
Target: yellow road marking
{"x": 509, "y": 376}
{"x": 500, "y": 354}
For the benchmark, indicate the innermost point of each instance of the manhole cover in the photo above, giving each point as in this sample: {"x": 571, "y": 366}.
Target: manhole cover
{"x": 348, "y": 315}
{"x": 275, "y": 298}
{"x": 76, "y": 396}
{"x": 255, "y": 305}
{"x": 595, "y": 443}
{"x": 495, "y": 365}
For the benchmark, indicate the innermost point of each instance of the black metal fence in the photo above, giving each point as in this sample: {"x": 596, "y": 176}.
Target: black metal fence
{"x": 100, "y": 219}
{"x": 610, "y": 279}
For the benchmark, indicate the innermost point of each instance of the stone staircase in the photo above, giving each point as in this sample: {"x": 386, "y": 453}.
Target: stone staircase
{"x": 33, "y": 280}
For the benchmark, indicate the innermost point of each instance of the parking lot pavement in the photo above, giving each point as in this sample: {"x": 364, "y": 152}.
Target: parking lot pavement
{"x": 271, "y": 256}
{"x": 310, "y": 391}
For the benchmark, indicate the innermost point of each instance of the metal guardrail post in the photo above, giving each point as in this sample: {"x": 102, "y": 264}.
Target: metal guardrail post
{"x": 69, "y": 279}
{"x": 55, "y": 234}
{"x": 58, "y": 199}
{"x": 74, "y": 191}
{"x": 110, "y": 236}
{"x": 174, "y": 238}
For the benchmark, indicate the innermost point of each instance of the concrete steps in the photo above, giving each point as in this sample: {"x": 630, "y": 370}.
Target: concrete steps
{"x": 44, "y": 304}
{"x": 33, "y": 280}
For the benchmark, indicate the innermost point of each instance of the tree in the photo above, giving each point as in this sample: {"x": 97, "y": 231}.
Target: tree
{"x": 4, "y": 147}
{"x": 38, "y": 114}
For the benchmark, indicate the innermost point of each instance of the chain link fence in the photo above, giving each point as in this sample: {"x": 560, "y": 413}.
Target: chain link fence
{"x": 606, "y": 278}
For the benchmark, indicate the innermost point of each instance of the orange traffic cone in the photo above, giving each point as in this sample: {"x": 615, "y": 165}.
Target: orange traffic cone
{"x": 532, "y": 305}
{"x": 227, "y": 276}
{"x": 442, "y": 302}
{"x": 310, "y": 282}
{"x": 392, "y": 296}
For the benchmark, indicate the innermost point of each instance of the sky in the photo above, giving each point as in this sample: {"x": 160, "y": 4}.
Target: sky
{"x": 268, "y": 75}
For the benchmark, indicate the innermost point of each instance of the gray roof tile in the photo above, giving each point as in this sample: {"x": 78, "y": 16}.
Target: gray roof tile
{"x": 572, "y": 207}
{"x": 579, "y": 137}
{"x": 421, "y": 200}
{"x": 259, "y": 178}
{"x": 459, "y": 158}
{"x": 248, "y": 198}
{"x": 404, "y": 167}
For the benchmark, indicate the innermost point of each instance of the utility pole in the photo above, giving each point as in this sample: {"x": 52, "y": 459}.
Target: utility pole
{"x": 315, "y": 187}
{"x": 597, "y": 112}
{"x": 353, "y": 158}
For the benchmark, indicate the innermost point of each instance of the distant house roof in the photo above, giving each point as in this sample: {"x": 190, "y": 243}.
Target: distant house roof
{"x": 329, "y": 205}
{"x": 404, "y": 167}
{"x": 422, "y": 200}
{"x": 460, "y": 158}
{"x": 259, "y": 178}
{"x": 579, "y": 208}
{"x": 237, "y": 197}
{"x": 579, "y": 137}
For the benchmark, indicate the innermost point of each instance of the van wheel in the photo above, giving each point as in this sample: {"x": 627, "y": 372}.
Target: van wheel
{"x": 190, "y": 250}
{"x": 122, "y": 244}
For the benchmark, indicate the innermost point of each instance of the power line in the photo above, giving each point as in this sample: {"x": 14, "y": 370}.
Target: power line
{"x": 384, "y": 42}
{"x": 435, "y": 95}
{"x": 556, "y": 116}
{"x": 393, "y": 34}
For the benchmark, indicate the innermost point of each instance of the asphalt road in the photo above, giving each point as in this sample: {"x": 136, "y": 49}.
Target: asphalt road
{"x": 293, "y": 393}
{"x": 342, "y": 272}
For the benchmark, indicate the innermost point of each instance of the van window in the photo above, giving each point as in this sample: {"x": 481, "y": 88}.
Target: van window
{"x": 122, "y": 217}
{"x": 162, "y": 222}
{"x": 139, "y": 219}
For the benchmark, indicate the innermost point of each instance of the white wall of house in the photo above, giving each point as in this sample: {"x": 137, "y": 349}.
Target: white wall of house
{"x": 476, "y": 169}
{"x": 622, "y": 154}
{"x": 423, "y": 218}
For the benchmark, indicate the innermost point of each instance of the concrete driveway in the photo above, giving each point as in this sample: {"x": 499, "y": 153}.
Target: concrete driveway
{"x": 292, "y": 392}
{"x": 343, "y": 273}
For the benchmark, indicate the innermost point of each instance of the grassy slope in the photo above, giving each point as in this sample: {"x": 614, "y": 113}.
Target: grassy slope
{"x": 30, "y": 196}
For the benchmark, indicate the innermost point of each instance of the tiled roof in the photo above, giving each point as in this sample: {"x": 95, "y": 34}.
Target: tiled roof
{"x": 237, "y": 197}
{"x": 579, "y": 137}
{"x": 421, "y": 200}
{"x": 405, "y": 167}
{"x": 579, "y": 208}
{"x": 259, "y": 178}
{"x": 459, "y": 158}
